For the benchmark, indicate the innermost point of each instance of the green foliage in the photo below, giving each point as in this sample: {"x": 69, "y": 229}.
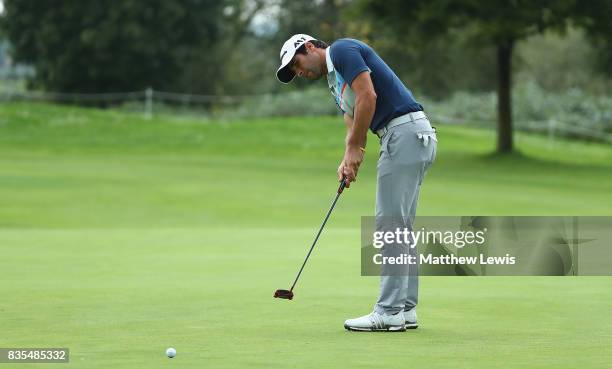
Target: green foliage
{"x": 533, "y": 105}
{"x": 589, "y": 115}
{"x": 105, "y": 46}
{"x": 210, "y": 47}
{"x": 436, "y": 67}
{"x": 461, "y": 34}
{"x": 323, "y": 20}
{"x": 561, "y": 62}
{"x": 493, "y": 23}
{"x": 308, "y": 102}
{"x": 594, "y": 17}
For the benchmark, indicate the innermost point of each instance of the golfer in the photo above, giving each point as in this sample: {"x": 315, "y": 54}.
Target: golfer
{"x": 372, "y": 97}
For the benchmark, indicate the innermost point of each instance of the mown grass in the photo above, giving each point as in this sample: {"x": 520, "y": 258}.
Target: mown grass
{"x": 122, "y": 236}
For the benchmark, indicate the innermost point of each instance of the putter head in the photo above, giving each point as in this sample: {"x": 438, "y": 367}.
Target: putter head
{"x": 283, "y": 294}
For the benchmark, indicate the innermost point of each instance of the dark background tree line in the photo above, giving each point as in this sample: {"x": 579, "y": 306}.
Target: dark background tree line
{"x": 212, "y": 47}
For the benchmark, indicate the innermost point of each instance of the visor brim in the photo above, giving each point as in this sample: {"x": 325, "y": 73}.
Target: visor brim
{"x": 284, "y": 74}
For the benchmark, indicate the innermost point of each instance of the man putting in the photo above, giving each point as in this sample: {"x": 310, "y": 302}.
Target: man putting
{"x": 372, "y": 97}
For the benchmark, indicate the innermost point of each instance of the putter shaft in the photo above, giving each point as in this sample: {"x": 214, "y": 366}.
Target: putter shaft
{"x": 340, "y": 189}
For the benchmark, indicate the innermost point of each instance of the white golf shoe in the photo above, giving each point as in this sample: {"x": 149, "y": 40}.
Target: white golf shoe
{"x": 375, "y": 322}
{"x": 410, "y": 316}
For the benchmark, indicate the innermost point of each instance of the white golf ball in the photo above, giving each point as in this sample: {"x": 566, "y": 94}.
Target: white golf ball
{"x": 171, "y": 352}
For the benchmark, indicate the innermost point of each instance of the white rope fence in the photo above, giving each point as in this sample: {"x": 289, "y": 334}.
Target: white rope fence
{"x": 71, "y": 97}
{"x": 552, "y": 128}
{"x": 147, "y": 94}
{"x": 148, "y": 97}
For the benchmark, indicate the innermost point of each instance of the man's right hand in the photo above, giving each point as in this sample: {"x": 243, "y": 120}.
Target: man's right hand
{"x": 341, "y": 173}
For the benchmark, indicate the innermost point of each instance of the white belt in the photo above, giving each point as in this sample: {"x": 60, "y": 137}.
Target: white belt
{"x": 402, "y": 119}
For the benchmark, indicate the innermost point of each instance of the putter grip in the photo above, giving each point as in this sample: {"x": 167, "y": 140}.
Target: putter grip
{"x": 342, "y": 185}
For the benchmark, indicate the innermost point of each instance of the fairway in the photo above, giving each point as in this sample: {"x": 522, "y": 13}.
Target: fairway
{"x": 122, "y": 236}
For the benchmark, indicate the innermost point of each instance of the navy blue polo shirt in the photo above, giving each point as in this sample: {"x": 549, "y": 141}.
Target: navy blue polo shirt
{"x": 346, "y": 58}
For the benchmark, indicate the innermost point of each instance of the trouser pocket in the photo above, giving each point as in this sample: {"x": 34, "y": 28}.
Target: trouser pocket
{"x": 429, "y": 139}
{"x": 427, "y": 136}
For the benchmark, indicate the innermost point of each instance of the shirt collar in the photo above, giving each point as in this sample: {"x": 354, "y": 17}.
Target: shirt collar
{"x": 330, "y": 65}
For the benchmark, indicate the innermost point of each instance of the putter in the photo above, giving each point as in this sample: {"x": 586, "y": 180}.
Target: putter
{"x": 288, "y": 294}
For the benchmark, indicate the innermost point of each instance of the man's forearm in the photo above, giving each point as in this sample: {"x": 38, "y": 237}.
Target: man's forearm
{"x": 365, "y": 105}
{"x": 348, "y": 121}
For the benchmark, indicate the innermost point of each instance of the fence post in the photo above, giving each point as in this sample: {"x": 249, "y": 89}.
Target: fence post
{"x": 551, "y": 131}
{"x": 148, "y": 113}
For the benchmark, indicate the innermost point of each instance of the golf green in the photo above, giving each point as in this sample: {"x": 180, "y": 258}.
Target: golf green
{"x": 122, "y": 236}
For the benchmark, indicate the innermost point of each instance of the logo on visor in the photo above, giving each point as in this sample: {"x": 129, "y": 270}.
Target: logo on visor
{"x": 299, "y": 42}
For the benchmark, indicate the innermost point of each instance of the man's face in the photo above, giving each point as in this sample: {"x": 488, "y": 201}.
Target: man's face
{"x": 307, "y": 66}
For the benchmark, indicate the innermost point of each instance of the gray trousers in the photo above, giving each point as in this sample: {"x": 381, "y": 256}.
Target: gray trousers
{"x": 406, "y": 152}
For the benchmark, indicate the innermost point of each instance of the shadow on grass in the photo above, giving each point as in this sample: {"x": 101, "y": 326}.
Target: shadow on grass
{"x": 518, "y": 157}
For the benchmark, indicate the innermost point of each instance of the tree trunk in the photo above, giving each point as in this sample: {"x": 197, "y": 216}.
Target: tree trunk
{"x": 504, "y": 96}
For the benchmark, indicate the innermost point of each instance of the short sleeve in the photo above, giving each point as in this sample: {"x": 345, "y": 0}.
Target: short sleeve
{"x": 347, "y": 59}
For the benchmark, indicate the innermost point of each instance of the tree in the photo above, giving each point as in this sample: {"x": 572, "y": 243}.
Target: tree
{"x": 320, "y": 19}
{"x": 500, "y": 23}
{"x": 106, "y": 46}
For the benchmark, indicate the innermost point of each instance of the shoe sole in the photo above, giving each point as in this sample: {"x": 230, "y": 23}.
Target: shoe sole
{"x": 411, "y": 325}
{"x": 401, "y": 328}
